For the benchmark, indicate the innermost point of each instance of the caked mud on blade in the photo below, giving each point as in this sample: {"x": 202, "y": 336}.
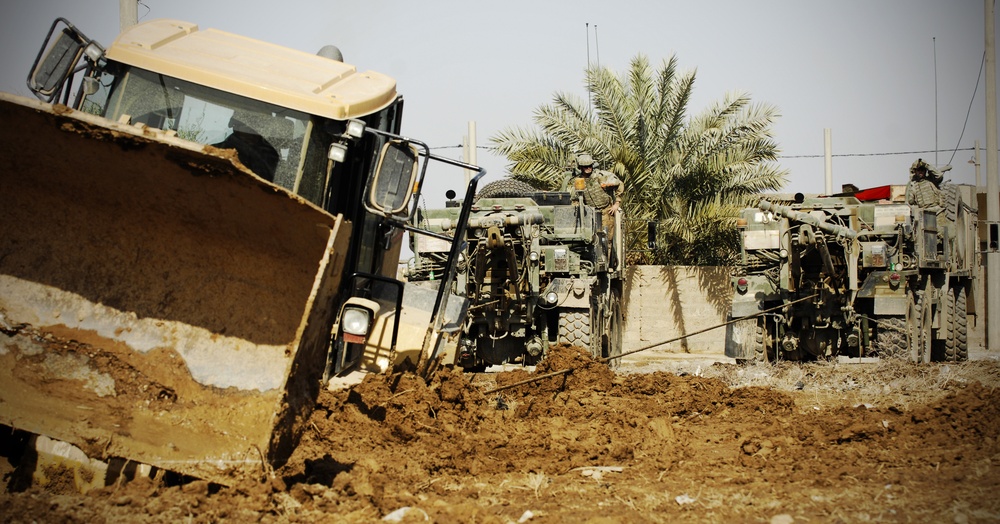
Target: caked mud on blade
{"x": 157, "y": 301}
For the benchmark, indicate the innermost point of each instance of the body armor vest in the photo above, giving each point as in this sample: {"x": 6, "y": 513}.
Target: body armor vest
{"x": 923, "y": 193}
{"x": 594, "y": 194}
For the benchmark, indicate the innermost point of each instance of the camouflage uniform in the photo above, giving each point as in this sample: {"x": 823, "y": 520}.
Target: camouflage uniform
{"x": 922, "y": 190}
{"x": 600, "y": 190}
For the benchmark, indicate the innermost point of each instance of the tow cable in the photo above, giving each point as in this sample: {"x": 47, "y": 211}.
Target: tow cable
{"x": 605, "y": 360}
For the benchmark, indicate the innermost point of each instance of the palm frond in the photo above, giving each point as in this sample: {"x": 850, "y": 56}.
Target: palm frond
{"x": 689, "y": 175}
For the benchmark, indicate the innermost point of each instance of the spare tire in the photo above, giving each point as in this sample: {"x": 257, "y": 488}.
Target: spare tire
{"x": 951, "y": 199}
{"x": 505, "y": 188}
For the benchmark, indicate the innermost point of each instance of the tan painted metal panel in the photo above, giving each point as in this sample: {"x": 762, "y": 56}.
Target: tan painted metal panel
{"x": 255, "y": 69}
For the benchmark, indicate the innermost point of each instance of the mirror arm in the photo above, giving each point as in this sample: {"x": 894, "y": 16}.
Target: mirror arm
{"x": 81, "y": 54}
{"x": 423, "y": 150}
{"x": 441, "y": 300}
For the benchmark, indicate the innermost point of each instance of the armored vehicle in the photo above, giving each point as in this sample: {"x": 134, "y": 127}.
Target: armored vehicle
{"x": 857, "y": 278}
{"x": 537, "y": 269}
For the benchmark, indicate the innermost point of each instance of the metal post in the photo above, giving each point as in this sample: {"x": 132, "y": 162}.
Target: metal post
{"x": 470, "y": 149}
{"x": 992, "y": 185}
{"x": 472, "y": 142}
{"x": 465, "y": 158}
{"x": 975, "y": 160}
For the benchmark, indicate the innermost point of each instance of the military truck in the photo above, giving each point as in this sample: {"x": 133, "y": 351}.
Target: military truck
{"x": 842, "y": 276}
{"x": 537, "y": 268}
{"x": 194, "y": 237}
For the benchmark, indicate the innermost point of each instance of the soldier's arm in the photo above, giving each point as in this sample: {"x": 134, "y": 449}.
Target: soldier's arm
{"x": 609, "y": 180}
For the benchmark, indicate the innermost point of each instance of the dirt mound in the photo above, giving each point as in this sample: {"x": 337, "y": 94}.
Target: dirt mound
{"x": 591, "y": 446}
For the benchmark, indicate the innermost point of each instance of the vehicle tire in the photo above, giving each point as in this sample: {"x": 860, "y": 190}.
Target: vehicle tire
{"x": 761, "y": 340}
{"x": 918, "y": 327}
{"x": 943, "y": 350}
{"x": 598, "y": 329}
{"x": 757, "y": 340}
{"x": 951, "y": 200}
{"x": 956, "y": 343}
{"x": 574, "y": 327}
{"x": 612, "y": 338}
{"x": 890, "y": 337}
{"x": 505, "y": 188}
{"x": 955, "y": 220}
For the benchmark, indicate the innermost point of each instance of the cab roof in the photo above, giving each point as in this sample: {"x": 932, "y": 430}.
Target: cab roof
{"x": 255, "y": 69}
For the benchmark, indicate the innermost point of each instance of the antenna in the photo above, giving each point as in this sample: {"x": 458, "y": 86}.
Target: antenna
{"x": 588, "y": 45}
{"x": 597, "y": 46}
{"x": 934, "y": 40}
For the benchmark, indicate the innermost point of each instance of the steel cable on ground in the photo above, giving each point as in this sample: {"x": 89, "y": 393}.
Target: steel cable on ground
{"x": 644, "y": 348}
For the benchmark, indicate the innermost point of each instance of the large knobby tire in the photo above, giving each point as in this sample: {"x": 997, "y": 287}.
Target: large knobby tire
{"x": 918, "y": 327}
{"x": 956, "y": 326}
{"x": 505, "y": 188}
{"x": 951, "y": 200}
{"x": 761, "y": 340}
{"x": 598, "y": 327}
{"x": 943, "y": 350}
{"x": 574, "y": 328}
{"x": 890, "y": 337}
{"x": 757, "y": 340}
{"x": 955, "y": 220}
{"x": 961, "y": 325}
{"x": 611, "y": 345}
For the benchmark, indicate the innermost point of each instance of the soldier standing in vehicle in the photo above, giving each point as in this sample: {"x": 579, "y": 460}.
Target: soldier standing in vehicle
{"x": 924, "y": 186}
{"x": 600, "y": 189}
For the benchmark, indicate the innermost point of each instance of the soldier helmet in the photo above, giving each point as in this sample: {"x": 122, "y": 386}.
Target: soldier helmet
{"x": 584, "y": 160}
{"x": 919, "y": 168}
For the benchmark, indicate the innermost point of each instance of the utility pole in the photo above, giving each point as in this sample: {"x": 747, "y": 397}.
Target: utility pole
{"x": 975, "y": 161}
{"x": 992, "y": 188}
{"x": 128, "y": 13}
{"x": 470, "y": 150}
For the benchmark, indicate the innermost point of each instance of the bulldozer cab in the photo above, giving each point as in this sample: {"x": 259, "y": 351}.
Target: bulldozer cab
{"x": 172, "y": 76}
{"x": 268, "y": 122}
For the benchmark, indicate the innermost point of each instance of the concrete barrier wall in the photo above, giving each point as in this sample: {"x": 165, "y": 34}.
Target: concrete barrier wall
{"x": 666, "y": 302}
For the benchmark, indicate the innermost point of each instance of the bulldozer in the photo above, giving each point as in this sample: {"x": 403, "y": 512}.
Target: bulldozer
{"x": 887, "y": 272}
{"x": 200, "y": 230}
{"x": 537, "y": 267}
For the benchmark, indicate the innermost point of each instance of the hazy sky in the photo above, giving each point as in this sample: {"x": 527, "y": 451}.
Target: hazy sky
{"x": 865, "y": 69}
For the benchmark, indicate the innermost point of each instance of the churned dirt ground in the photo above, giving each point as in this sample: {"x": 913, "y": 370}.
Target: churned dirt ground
{"x": 689, "y": 442}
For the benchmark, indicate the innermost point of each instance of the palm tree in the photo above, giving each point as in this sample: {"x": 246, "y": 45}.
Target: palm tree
{"x": 688, "y": 176}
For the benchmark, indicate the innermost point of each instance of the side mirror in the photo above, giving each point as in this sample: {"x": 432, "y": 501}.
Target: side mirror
{"x": 55, "y": 63}
{"x": 392, "y": 187}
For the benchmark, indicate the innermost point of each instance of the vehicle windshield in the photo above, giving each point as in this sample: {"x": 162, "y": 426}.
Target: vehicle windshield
{"x": 280, "y": 145}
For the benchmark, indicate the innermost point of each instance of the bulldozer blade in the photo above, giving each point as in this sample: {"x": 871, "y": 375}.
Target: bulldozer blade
{"x": 158, "y": 301}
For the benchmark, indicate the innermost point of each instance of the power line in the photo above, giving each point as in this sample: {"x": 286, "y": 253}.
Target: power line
{"x": 460, "y": 145}
{"x": 875, "y": 154}
{"x": 967, "y": 113}
{"x": 780, "y": 157}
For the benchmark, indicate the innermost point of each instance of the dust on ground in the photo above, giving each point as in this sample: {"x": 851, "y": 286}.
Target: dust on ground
{"x": 824, "y": 442}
